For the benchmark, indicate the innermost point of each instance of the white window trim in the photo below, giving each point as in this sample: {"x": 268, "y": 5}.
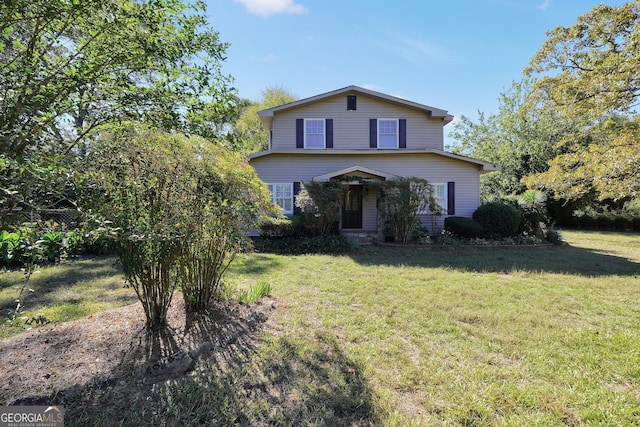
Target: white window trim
{"x": 271, "y": 187}
{"x": 324, "y": 134}
{"x": 397, "y": 134}
{"x": 445, "y": 208}
{"x": 445, "y": 193}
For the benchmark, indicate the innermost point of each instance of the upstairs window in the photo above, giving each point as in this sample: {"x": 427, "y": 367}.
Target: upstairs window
{"x": 387, "y": 133}
{"x": 282, "y": 195}
{"x": 314, "y": 133}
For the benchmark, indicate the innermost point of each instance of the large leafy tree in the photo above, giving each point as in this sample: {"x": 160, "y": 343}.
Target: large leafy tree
{"x": 520, "y": 142}
{"x": 70, "y": 67}
{"x": 250, "y": 136}
{"x": 590, "y": 71}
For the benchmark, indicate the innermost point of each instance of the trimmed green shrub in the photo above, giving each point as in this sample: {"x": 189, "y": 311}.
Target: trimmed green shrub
{"x": 463, "y": 227}
{"x": 498, "y": 219}
{"x": 276, "y": 226}
{"x": 323, "y": 244}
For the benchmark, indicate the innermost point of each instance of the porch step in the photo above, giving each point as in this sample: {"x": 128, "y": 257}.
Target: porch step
{"x": 360, "y": 237}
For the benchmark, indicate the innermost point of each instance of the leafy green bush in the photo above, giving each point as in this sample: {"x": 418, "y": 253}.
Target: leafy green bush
{"x": 52, "y": 245}
{"x": 401, "y": 202}
{"x": 326, "y": 244}
{"x": 73, "y": 243}
{"x": 180, "y": 208}
{"x": 498, "y": 219}
{"x": 28, "y": 244}
{"x": 608, "y": 220}
{"x": 463, "y": 227}
{"x": 276, "y": 226}
{"x": 552, "y": 235}
{"x": 532, "y": 206}
{"x": 9, "y": 248}
{"x": 319, "y": 204}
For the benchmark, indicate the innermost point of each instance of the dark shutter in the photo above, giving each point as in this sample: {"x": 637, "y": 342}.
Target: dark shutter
{"x": 451, "y": 198}
{"x": 329, "y": 130}
{"x": 373, "y": 133}
{"x": 402, "y": 129}
{"x": 296, "y": 190}
{"x": 351, "y": 103}
{"x": 299, "y": 133}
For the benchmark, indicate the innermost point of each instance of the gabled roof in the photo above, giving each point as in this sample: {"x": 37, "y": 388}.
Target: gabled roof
{"x": 353, "y": 169}
{"x": 266, "y": 116}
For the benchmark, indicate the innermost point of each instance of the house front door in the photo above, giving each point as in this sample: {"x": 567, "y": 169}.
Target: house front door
{"x": 352, "y": 207}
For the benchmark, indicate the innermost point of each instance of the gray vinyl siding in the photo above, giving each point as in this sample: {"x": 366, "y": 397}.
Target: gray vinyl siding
{"x": 369, "y": 211}
{"x": 277, "y": 168}
{"x": 351, "y": 128}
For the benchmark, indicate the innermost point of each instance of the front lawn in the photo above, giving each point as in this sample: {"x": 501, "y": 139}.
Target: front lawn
{"x": 387, "y": 336}
{"x": 464, "y": 336}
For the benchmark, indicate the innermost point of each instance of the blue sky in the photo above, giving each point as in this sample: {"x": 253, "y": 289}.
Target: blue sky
{"x": 453, "y": 55}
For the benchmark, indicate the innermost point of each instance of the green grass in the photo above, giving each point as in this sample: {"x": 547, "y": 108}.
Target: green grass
{"x": 397, "y": 337}
{"x": 254, "y": 293}
{"x": 63, "y": 292}
{"x": 470, "y": 336}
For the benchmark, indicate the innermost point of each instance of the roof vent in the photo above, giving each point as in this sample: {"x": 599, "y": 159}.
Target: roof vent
{"x": 351, "y": 103}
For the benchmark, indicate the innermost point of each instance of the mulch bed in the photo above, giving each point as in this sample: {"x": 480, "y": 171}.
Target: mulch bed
{"x": 55, "y": 362}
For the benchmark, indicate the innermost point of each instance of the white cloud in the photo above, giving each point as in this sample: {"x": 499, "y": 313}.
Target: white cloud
{"x": 269, "y": 7}
{"x": 417, "y": 51}
{"x": 545, "y": 5}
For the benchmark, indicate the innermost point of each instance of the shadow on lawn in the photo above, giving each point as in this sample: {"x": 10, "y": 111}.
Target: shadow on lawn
{"x": 70, "y": 274}
{"x": 555, "y": 259}
{"x": 239, "y": 377}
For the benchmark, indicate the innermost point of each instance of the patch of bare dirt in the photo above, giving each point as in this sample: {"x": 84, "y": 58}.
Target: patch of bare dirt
{"x": 55, "y": 362}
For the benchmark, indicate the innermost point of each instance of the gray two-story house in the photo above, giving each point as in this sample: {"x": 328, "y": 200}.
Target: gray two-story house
{"x": 359, "y": 132}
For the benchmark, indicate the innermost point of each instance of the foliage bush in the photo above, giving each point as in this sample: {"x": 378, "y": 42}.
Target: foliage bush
{"x": 463, "y": 227}
{"x": 552, "y": 235}
{"x": 532, "y": 206}
{"x": 609, "y": 216}
{"x": 180, "y": 208}
{"x": 325, "y": 244}
{"x": 277, "y": 226}
{"x": 32, "y": 244}
{"x": 607, "y": 220}
{"x": 9, "y": 248}
{"x": 319, "y": 204}
{"x": 401, "y": 201}
{"x": 497, "y": 219}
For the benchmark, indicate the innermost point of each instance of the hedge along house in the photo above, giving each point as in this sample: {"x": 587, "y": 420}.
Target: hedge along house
{"x": 359, "y": 135}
